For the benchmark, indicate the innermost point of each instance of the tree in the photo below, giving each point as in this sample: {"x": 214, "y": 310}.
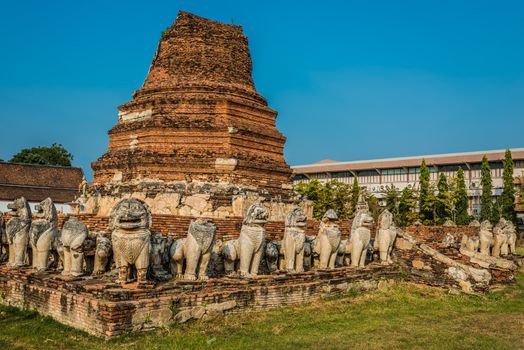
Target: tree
{"x": 496, "y": 211}
{"x": 426, "y": 197}
{"x": 340, "y": 196}
{"x": 334, "y": 195}
{"x": 461, "y": 200}
{"x": 486, "y": 200}
{"x": 312, "y": 191}
{"x": 355, "y": 191}
{"x": 392, "y": 199}
{"x": 507, "y": 198}
{"x": 372, "y": 201}
{"x": 443, "y": 201}
{"x": 54, "y": 155}
{"x": 407, "y": 205}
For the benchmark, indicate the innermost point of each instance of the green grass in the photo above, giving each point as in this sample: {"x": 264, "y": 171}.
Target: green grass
{"x": 403, "y": 316}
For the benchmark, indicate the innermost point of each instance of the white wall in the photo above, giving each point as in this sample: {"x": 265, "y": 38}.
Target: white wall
{"x": 60, "y": 207}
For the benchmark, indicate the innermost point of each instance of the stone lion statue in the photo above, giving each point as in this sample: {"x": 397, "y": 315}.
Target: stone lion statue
{"x": 272, "y": 255}
{"x": 159, "y": 257}
{"x": 43, "y": 233}
{"x": 342, "y": 254}
{"x": 195, "y": 249}
{"x": 328, "y": 240}
{"x": 500, "y": 239}
{"x": 359, "y": 237}
{"x": 294, "y": 239}
{"x": 470, "y": 243}
{"x": 251, "y": 240}
{"x": 231, "y": 257}
{"x": 486, "y": 240}
{"x": 449, "y": 223}
{"x": 386, "y": 235}
{"x": 309, "y": 247}
{"x": 17, "y": 231}
{"x": 511, "y": 233}
{"x": 74, "y": 234}
{"x": 130, "y": 222}
{"x": 474, "y": 223}
{"x": 103, "y": 253}
{"x": 4, "y": 246}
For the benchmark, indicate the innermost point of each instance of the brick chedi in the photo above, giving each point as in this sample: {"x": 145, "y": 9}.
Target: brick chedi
{"x": 197, "y": 126}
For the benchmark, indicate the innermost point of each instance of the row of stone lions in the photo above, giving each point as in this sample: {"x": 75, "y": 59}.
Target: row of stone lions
{"x": 496, "y": 241}
{"x": 131, "y": 252}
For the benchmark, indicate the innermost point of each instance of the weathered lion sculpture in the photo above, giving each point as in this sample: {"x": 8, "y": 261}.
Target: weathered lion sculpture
{"x": 251, "y": 240}
{"x": 294, "y": 239}
{"x": 230, "y": 256}
{"x": 386, "y": 235}
{"x": 159, "y": 257}
{"x": 486, "y": 237}
{"x": 511, "y": 233}
{"x": 17, "y": 231}
{"x": 500, "y": 239}
{"x": 359, "y": 237}
{"x": 130, "y": 221}
{"x": 43, "y": 233}
{"x": 103, "y": 254}
{"x": 4, "y": 245}
{"x": 328, "y": 240}
{"x": 272, "y": 255}
{"x": 342, "y": 254}
{"x": 195, "y": 249}
{"x": 470, "y": 243}
{"x": 74, "y": 234}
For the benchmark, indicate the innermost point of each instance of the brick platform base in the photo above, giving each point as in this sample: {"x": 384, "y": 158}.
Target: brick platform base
{"x": 108, "y": 310}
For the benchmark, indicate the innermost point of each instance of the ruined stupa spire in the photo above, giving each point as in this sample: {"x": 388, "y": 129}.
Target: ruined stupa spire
{"x": 198, "y": 116}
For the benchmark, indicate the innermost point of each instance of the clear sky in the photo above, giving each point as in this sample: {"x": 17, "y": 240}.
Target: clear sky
{"x": 351, "y": 80}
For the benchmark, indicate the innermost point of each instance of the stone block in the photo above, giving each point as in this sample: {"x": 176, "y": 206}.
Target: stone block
{"x": 418, "y": 264}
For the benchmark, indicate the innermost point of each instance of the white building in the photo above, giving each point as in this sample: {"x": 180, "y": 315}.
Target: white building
{"x": 376, "y": 174}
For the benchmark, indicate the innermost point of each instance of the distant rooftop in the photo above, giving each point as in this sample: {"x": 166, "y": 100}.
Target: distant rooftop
{"x": 36, "y": 182}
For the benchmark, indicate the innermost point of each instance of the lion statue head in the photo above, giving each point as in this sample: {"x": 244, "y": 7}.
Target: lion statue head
{"x": 474, "y": 223}
{"x": 362, "y": 219}
{"x": 46, "y": 210}
{"x": 385, "y": 220}
{"x": 486, "y": 226}
{"x": 20, "y": 209}
{"x": 130, "y": 214}
{"x": 330, "y": 215}
{"x": 256, "y": 215}
{"x": 296, "y": 218}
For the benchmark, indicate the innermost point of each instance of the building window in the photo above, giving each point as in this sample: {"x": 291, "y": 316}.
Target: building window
{"x": 368, "y": 177}
{"x": 394, "y": 175}
{"x": 496, "y": 169}
{"x": 343, "y": 176}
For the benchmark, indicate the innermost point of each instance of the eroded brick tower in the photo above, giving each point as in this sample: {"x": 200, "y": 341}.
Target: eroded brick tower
{"x": 197, "y": 120}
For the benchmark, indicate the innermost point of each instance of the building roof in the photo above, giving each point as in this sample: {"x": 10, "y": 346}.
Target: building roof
{"x": 37, "y": 182}
{"x": 438, "y": 159}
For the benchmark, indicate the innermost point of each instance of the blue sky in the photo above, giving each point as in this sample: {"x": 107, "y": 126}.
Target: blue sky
{"x": 350, "y": 79}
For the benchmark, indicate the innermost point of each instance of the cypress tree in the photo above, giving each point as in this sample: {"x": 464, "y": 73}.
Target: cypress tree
{"x": 425, "y": 202}
{"x": 392, "y": 198}
{"x": 495, "y": 211}
{"x": 486, "y": 201}
{"x": 443, "y": 205}
{"x": 407, "y": 214}
{"x": 507, "y": 199}
{"x": 355, "y": 191}
{"x": 461, "y": 200}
